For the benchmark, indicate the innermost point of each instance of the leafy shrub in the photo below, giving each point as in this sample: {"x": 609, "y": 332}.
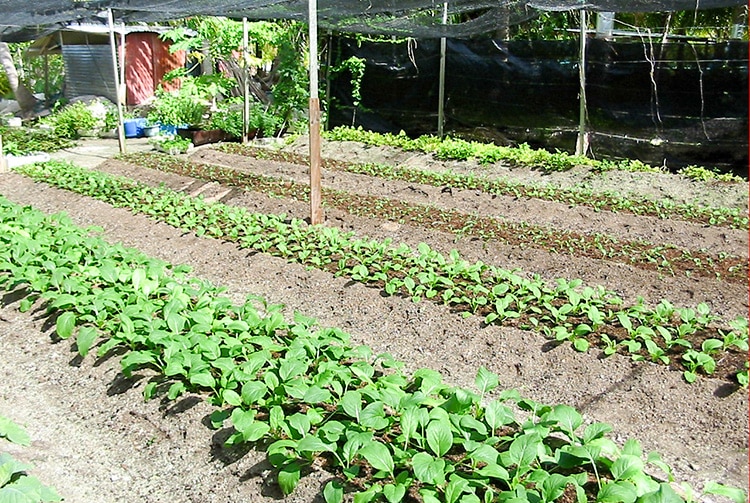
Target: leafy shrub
{"x": 265, "y": 121}
{"x": 228, "y": 118}
{"x": 180, "y": 108}
{"x": 96, "y": 116}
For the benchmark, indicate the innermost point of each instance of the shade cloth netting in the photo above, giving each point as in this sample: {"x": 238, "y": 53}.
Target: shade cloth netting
{"x": 20, "y": 21}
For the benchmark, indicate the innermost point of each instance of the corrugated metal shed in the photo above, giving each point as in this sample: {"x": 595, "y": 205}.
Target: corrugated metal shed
{"x": 88, "y": 70}
{"x": 88, "y": 60}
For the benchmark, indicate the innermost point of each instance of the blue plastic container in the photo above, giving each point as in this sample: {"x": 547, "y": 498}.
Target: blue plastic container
{"x": 140, "y": 124}
{"x": 131, "y": 128}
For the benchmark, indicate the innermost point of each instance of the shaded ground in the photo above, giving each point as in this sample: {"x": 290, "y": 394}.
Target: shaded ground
{"x": 94, "y": 438}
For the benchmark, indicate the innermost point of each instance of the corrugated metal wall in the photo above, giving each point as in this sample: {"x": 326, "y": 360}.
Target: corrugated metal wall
{"x": 88, "y": 70}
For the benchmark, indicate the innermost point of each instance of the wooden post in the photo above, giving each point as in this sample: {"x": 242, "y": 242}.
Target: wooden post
{"x": 582, "y": 144}
{"x": 120, "y": 118}
{"x": 246, "y": 81}
{"x": 441, "y": 85}
{"x": 3, "y": 162}
{"x": 316, "y": 208}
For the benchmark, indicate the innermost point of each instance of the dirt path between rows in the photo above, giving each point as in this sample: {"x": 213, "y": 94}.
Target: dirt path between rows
{"x": 94, "y": 438}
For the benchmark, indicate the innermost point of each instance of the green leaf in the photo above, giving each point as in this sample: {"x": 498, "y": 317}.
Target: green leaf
{"x": 494, "y": 471}
{"x": 253, "y": 391}
{"x": 27, "y": 489}
{"x": 64, "y": 325}
{"x": 394, "y": 493}
{"x": 9, "y": 467}
{"x": 484, "y": 453}
{"x": 333, "y": 492}
{"x": 665, "y": 494}
{"x": 594, "y": 431}
{"x": 311, "y": 443}
{"x": 496, "y": 414}
{"x": 455, "y": 488}
{"x": 626, "y": 467}
{"x": 203, "y": 379}
{"x": 617, "y": 492}
{"x": 581, "y": 344}
{"x": 735, "y": 494}
{"x": 85, "y": 339}
{"x": 568, "y": 418}
{"x": 135, "y": 359}
{"x": 553, "y": 486}
{"x": 149, "y": 391}
{"x": 373, "y": 416}
{"x": 13, "y": 432}
{"x": 300, "y": 423}
{"x": 632, "y": 447}
{"x": 176, "y": 322}
{"x": 138, "y": 277}
{"x": 291, "y": 368}
{"x": 175, "y": 390}
{"x": 522, "y": 451}
{"x": 378, "y": 455}
{"x": 369, "y": 495}
{"x": 351, "y": 403}
{"x": 289, "y": 477}
{"x": 231, "y": 397}
{"x": 439, "y": 437}
{"x": 428, "y": 469}
{"x": 486, "y": 381}
{"x": 316, "y": 394}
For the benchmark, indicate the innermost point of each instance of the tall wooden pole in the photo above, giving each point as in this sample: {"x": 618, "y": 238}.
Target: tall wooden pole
{"x": 113, "y": 45}
{"x": 582, "y": 145}
{"x": 316, "y": 208}
{"x": 246, "y": 81}
{"x": 3, "y": 162}
{"x": 441, "y": 86}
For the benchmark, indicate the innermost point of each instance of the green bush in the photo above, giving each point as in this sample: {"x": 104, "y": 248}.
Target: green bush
{"x": 176, "y": 109}
{"x": 96, "y": 116}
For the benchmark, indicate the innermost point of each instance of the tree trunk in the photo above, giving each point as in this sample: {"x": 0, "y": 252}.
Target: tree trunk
{"x": 25, "y": 99}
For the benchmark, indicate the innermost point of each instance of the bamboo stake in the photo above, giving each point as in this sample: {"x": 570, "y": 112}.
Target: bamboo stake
{"x": 316, "y": 209}
{"x": 3, "y": 162}
{"x": 246, "y": 81}
{"x": 441, "y": 86}
{"x": 120, "y": 118}
{"x": 582, "y": 145}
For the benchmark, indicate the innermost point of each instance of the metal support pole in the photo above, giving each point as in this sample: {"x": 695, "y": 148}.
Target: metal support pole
{"x": 246, "y": 81}
{"x": 120, "y": 118}
{"x": 582, "y": 144}
{"x": 316, "y": 208}
{"x": 441, "y": 86}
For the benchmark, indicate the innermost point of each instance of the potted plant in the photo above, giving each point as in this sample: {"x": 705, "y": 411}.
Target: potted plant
{"x": 176, "y": 109}
{"x": 172, "y": 145}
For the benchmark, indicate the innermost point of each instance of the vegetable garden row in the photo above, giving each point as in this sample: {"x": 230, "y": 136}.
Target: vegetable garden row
{"x": 311, "y": 399}
{"x": 307, "y": 393}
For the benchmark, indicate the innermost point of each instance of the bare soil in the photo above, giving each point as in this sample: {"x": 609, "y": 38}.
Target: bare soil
{"x": 95, "y": 439}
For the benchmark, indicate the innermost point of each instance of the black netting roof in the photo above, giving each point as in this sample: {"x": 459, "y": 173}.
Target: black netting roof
{"x": 416, "y": 18}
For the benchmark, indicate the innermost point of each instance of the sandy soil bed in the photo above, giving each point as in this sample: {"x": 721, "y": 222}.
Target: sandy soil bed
{"x": 95, "y": 439}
